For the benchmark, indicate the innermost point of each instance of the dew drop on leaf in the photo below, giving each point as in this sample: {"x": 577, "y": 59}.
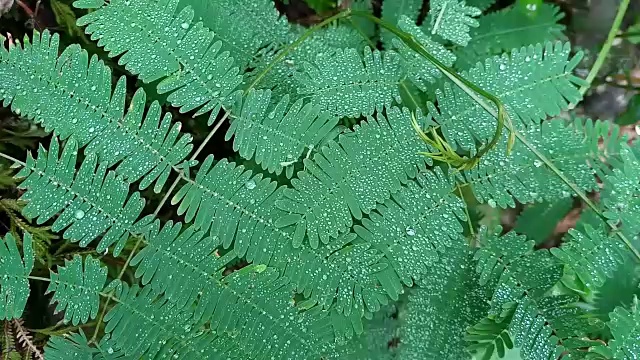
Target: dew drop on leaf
{"x": 411, "y": 231}
{"x": 79, "y": 214}
{"x": 184, "y": 25}
{"x": 250, "y": 184}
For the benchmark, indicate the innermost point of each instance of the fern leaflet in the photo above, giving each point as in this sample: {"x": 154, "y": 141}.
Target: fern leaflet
{"x": 452, "y": 19}
{"x": 14, "y": 270}
{"x": 74, "y": 100}
{"x": 163, "y": 44}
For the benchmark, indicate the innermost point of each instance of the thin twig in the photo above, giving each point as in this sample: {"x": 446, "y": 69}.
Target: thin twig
{"x": 606, "y": 48}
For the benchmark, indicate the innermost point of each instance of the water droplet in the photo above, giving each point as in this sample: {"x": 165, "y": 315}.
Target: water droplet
{"x": 110, "y": 350}
{"x": 537, "y": 163}
{"x": 532, "y": 7}
{"x": 184, "y": 26}
{"x": 250, "y": 184}
{"x": 492, "y": 203}
{"x": 92, "y": 129}
{"x": 411, "y": 231}
{"x": 503, "y": 67}
{"x": 79, "y": 214}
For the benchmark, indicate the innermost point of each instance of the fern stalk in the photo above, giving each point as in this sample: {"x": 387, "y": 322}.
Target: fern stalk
{"x": 606, "y": 48}
{"x": 577, "y": 191}
{"x": 471, "y": 89}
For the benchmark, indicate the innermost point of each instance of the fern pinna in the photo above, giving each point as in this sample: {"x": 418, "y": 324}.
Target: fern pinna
{"x": 320, "y": 240}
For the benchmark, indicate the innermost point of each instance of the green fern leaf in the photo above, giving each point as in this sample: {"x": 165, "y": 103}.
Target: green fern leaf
{"x": 447, "y": 302}
{"x": 510, "y": 263}
{"x": 344, "y": 84}
{"x": 508, "y": 29}
{"x": 621, "y": 194}
{"x": 77, "y": 287}
{"x": 243, "y": 26}
{"x": 74, "y": 100}
{"x": 415, "y": 226}
{"x": 592, "y": 255}
{"x": 421, "y": 71}
{"x": 625, "y": 327}
{"x": 169, "y": 248}
{"x": 244, "y": 215}
{"x": 277, "y": 136}
{"x": 538, "y": 221}
{"x": 14, "y": 272}
{"x": 392, "y": 10}
{"x": 91, "y": 203}
{"x": 489, "y": 338}
{"x": 225, "y": 200}
{"x": 351, "y": 176}
{"x": 518, "y": 80}
{"x": 501, "y": 178}
{"x": 76, "y": 346}
{"x": 452, "y": 20}
{"x": 162, "y": 44}
{"x": 376, "y": 342}
{"x": 281, "y": 77}
{"x": 532, "y": 333}
{"x": 245, "y": 306}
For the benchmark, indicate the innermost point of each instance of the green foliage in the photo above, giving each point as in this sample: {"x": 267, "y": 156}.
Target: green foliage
{"x": 77, "y": 288}
{"x": 452, "y": 20}
{"x": 344, "y": 84}
{"x": 539, "y": 220}
{"x": 328, "y": 241}
{"x": 14, "y": 269}
{"x": 393, "y": 10}
{"x": 508, "y": 29}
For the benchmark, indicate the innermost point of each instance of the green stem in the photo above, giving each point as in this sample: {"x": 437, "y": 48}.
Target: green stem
{"x": 293, "y": 46}
{"x": 468, "y": 87}
{"x": 578, "y": 192}
{"x": 606, "y": 48}
{"x": 11, "y": 158}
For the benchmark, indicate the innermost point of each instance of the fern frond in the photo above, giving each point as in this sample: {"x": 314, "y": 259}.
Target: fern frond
{"x": 77, "y": 287}
{"x": 510, "y": 263}
{"x": 538, "y": 221}
{"x": 351, "y": 176}
{"x": 281, "y": 78}
{"x": 76, "y": 346}
{"x": 592, "y": 255}
{"x": 521, "y": 175}
{"x": 392, "y": 10}
{"x": 71, "y": 95}
{"x": 452, "y": 20}
{"x": 517, "y": 79}
{"x": 533, "y": 334}
{"x": 621, "y": 193}
{"x": 237, "y": 209}
{"x": 447, "y": 302}
{"x": 91, "y": 203}
{"x": 14, "y": 270}
{"x": 489, "y": 338}
{"x": 163, "y": 44}
{"x": 345, "y": 84}
{"x": 508, "y": 29}
{"x": 625, "y": 327}
{"x": 276, "y": 136}
{"x": 421, "y": 71}
{"x": 243, "y": 26}
{"x": 419, "y": 223}
{"x": 250, "y": 304}
{"x": 376, "y": 342}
